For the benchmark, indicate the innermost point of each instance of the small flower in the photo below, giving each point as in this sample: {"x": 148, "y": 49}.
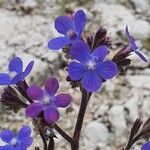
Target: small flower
{"x": 70, "y": 27}
{"x": 91, "y": 69}
{"x": 15, "y": 72}
{"x": 132, "y": 45}
{"x": 45, "y": 100}
{"x": 16, "y": 142}
{"x": 146, "y": 146}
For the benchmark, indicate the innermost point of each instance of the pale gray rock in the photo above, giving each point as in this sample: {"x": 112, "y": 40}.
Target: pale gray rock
{"x": 30, "y": 4}
{"x": 142, "y": 6}
{"x": 136, "y": 26}
{"x": 95, "y": 133}
{"x": 117, "y": 21}
{"x": 7, "y": 24}
{"x": 146, "y": 107}
{"x": 139, "y": 81}
{"x": 117, "y": 119}
{"x": 132, "y": 106}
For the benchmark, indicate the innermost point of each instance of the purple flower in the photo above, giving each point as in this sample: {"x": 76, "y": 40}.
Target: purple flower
{"x": 146, "y": 146}
{"x": 91, "y": 69}
{"x": 132, "y": 45}
{"x": 15, "y": 72}
{"x": 70, "y": 27}
{"x": 16, "y": 142}
{"x": 45, "y": 100}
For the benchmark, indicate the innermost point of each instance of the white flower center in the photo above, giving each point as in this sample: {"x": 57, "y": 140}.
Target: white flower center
{"x": 46, "y": 100}
{"x": 14, "y": 141}
{"x": 12, "y": 74}
{"x": 91, "y": 65}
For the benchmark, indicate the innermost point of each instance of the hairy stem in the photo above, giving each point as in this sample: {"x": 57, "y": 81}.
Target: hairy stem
{"x": 79, "y": 123}
{"x": 130, "y": 144}
{"x": 63, "y": 133}
{"x": 51, "y": 144}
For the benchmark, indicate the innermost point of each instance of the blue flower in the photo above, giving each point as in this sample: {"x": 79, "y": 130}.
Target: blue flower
{"x": 132, "y": 45}
{"x": 46, "y": 100}
{"x": 146, "y": 146}
{"x": 15, "y": 72}
{"x": 91, "y": 69}
{"x": 70, "y": 27}
{"x": 16, "y": 142}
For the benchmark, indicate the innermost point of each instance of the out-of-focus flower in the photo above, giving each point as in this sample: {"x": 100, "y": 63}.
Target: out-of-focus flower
{"x": 132, "y": 45}
{"x": 71, "y": 27}
{"x": 45, "y": 100}
{"x": 16, "y": 73}
{"x": 146, "y": 146}
{"x": 91, "y": 69}
{"x": 21, "y": 141}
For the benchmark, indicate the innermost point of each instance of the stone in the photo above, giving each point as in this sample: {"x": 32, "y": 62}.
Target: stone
{"x": 141, "y": 6}
{"x": 145, "y": 107}
{"x": 139, "y": 81}
{"x": 116, "y": 22}
{"x": 30, "y": 4}
{"x": 7, "y": 24}
{"x": 95, "y": 133}
{"x": 132, "y": 106}
{"x": 117, "y": 119}
{"x": 136, "y": 26}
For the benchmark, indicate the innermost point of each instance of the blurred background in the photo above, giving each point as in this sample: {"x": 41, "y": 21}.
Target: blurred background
{"x": 25, "y": 29}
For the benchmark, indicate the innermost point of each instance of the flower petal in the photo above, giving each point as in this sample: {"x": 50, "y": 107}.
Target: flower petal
{"x": 91, "y": 81}
{"x": 5, "y": 79}
{"x": 146, "y": 146}
{"x": 18, "y": 78}
{"x": 28, "y": 69}
{"x": 100, "y": 53}
{"x": 141, "y": 55}
{"x": 63, "y": 24}
{"x": 25, "y": 143}
{"x": 21, "y": 76}
{"x": 7, "y": 147}
{"x": 7, "y": 135}
{"x": 79, "y": 21}
{"x": 107, "y": 69}
{"x": 51, "y": 86}
{"x": 35, "y": 92}
{"x": 62, "y": 100}
{"x": 76, "y": 70}
{"x": 51, "y": 114}
{"x": 33, "y": 110}
{"x": 131, "y": 39}
{"x": 16, "y": 65}
{"x": 24, "y": 132}
{"x": 80, "y": 51}
{"x": 58, "y": 43}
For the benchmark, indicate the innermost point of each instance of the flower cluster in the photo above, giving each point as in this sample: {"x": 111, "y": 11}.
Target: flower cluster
{"x": 21, "y": 141}
{"x": 88, "y": 68}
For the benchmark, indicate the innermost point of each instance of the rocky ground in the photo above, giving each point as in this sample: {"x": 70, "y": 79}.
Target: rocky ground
{"x": 25, "y": 29}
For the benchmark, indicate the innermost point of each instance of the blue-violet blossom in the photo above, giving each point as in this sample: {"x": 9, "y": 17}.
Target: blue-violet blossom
{"x": 91, "y": 69}
{"x": 45, "y": 100}
{"x": 132, "y": 45}
{"x": 15, "y": 72}
{"x": 70, "y": 27}
{"x": 21, "y": 141}
{"x": 146, "y": 146}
